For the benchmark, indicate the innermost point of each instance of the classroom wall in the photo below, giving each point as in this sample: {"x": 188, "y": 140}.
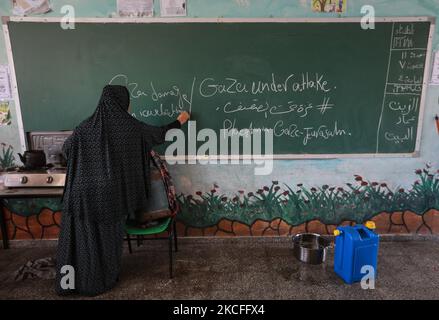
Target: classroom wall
{"x": 228, "y": 180}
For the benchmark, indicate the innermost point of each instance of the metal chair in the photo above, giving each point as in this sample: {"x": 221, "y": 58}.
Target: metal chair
{"x": 166, "y": 225}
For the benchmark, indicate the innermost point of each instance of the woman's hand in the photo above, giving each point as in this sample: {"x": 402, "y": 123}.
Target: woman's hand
{"x": 183, "y": 117}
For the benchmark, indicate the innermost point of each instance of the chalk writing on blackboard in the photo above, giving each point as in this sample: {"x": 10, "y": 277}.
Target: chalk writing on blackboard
{"x": 403, "y": 88}
{"x": 295, "y": 96}
{"x": 299, "y": 106}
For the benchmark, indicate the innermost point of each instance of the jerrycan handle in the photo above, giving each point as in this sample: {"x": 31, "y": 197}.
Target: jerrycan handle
{"x": 370, "y": 225}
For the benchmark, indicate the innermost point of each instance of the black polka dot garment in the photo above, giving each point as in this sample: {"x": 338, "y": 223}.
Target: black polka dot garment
{"x": 107, "y": 181}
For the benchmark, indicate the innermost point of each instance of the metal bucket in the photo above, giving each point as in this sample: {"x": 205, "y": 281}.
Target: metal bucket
{"x": 310, "y": 248}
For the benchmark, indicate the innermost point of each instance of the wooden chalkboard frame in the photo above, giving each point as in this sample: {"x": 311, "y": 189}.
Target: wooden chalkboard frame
{"x": 416, "y": 153}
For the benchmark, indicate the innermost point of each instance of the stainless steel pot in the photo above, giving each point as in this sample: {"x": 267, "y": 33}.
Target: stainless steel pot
{"x": 310, "y": 247}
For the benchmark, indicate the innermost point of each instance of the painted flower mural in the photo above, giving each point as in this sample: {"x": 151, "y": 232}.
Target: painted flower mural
{"x": 6, "y": 156}
{"x": 275, "y": 209}
{"x": 357, "y": 201}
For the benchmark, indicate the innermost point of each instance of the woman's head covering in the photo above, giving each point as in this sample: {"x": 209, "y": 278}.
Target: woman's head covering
{"x": 113, "y": 95}
{"x": 112, "y": 110}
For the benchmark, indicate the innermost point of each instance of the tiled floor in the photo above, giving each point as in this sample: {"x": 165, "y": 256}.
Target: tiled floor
{"x": 242, "y": 268}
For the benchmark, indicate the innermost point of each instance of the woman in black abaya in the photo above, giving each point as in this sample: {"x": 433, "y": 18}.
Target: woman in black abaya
{"x": 107, "y": 180}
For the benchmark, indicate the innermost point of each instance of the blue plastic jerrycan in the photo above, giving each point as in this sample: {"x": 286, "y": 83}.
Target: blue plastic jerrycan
{"x": 355, "y": 247}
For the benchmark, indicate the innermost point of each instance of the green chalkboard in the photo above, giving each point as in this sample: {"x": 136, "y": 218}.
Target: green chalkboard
{"x": 324, "y": 88}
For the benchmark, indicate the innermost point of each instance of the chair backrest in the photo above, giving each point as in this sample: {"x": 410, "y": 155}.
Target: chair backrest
{"x": 167, "y": 181}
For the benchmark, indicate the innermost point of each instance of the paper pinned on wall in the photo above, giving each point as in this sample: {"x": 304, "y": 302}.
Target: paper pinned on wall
{"x": 173, "y": 8}
{"x": 27, "y": 7}
{"x": 135, "y": 8}
{"x": 435, "y": 72}
{"x": 5, "y": 83}
{"x": 5, "y": 114}
{"x": 324, "y": 6}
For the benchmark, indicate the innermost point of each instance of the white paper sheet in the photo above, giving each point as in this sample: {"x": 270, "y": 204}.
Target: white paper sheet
{"x": 173, "y": 8}
{"x": 435, "y": 72}
{"x": 135, "y": 8}
{"x": 5, "y": 84}
{"x": 27, "y": 7}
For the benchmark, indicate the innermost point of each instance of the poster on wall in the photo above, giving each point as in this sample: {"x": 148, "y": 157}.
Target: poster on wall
{"x": 173, "y": 8}
{"x": 5, "y": 83}
{"x": 5, "y": 114}
{"x": 27, "y": 7}
{"x": 435, "y": 73}
{"x": 135, "y": 8}
{"x": 325, "y": 6}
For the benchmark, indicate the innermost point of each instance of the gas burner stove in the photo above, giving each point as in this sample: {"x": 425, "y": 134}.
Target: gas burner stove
{"x": 45, "y": 177}
{"x": 53, "y": 175}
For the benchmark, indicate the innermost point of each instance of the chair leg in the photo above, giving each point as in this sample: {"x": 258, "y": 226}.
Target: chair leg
{"x": 138, "y": 241}
{"x": 170, "y": 257}
{"x": 130, "y": 249}
{"x": 175, "y": 236}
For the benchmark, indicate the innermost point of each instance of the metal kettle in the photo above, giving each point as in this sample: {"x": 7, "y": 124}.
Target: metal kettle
{"x": 33, "y": 159}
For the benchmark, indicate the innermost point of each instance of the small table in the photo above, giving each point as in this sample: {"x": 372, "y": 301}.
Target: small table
{"x": 11, "y": 193}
